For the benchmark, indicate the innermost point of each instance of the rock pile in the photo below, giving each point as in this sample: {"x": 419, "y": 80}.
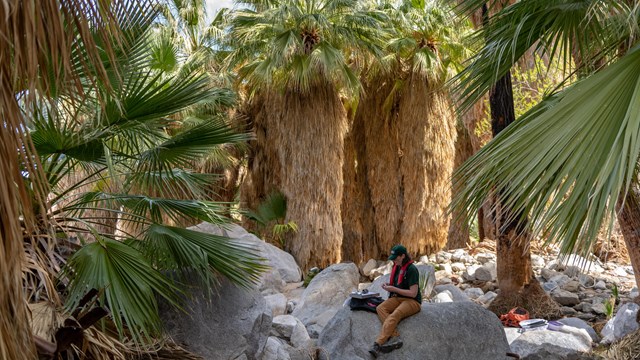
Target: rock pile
{"x": 281, "y": 319}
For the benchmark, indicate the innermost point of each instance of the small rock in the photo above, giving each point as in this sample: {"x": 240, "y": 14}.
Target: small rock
{"x": 634, "y": 292}
{"x": 564, "y": 297}
{"x": 572, "y": 286}
{"x": 443, "y": 257}
{"x": 458, "y": 267}
{"x": 620, "y": 272}
{"x": 469, "y": 273}
{"x": 572, "y": 271}
{"x": 549, "y": 286}
{"x": 537, "y": 261}
{"x": 458, "y": 255}
{"x": 487, "y": 272}
{"x": 586, "y": 317}
{"x": 474, "y": 293}
{"x": 586, "y": 280}
{"x": 600, "y": 285}
{"x": 447, "y": 268}
{"x": 487, "y": 298}
{"x": 282, "y": 326}
{"x": 599, "y": 308}
{"x": 484, "y": 258}
{"x": 560, "y": 279}
{"x": 443, "y": 297}
{"x": 548, "y": 273}
{"x": 369, "y": 266}
{"x": 568, "y": 311}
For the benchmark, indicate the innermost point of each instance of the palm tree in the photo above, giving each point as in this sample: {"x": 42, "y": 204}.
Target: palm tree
{"x": 296, "y": 59}
{"x": 398, "y": 189}
{"x": 34, "y": 37}
{"x": 105, "y": 141}
{"x": 567, "y": 162}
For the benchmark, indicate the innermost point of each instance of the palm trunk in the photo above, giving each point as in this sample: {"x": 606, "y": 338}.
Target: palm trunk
{"x": 628, "y": 208}
{"x": 426, "y": 144}
{"x": 298, "y": 151}
{"x": 403, "y": 169}
{"x": 357, "y": 213}
{"x": 517, "y": 285}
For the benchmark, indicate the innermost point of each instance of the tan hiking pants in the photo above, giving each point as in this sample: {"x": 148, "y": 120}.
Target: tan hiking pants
{"x": 391, "y": 311}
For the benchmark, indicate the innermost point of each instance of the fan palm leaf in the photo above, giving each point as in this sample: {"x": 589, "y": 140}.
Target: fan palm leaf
{"x": 565, "y": 162}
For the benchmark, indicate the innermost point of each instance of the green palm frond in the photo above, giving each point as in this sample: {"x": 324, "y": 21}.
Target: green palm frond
{"x": 567, "y": 161}
{"x": 188, "y": 250}
{"x": 128, "y": 282}
{"x": 559, "y": 29}
{"x": 141, "y": 207}
{"x": 190, "y": 145}
{"x": 295, "y": 43}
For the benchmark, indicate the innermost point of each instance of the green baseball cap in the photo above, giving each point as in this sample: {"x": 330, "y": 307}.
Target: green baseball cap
{"x": 397, "y": 250}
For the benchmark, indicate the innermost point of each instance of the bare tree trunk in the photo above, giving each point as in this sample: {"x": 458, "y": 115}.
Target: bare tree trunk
{"x": 629, "y": 219}
{"x": 515, "y": 280}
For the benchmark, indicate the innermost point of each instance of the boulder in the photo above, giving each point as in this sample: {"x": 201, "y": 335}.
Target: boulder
{"x": 580, "y": 324}
{"x": 623, "y": 323}
{"x": 369, "y": 266}
{"x": 234, "y": 323}
{"x": 284, "y": 268}
{"x": 448, "y": 331}
{"x": 550, "y": 345}
{"x": 279, "y": 349}
{"x": 277, "y": 303}
{"x": 326, "y": 293}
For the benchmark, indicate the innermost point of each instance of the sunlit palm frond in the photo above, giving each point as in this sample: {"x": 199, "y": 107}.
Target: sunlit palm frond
{"x": 189, "y": 250}
{"x": 566, "y": 162}
{"x": 560, "y": 29}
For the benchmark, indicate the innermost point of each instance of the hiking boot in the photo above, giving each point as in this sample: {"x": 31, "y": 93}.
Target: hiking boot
{"x": 375, "y": 350}
{"x": 390, "y": 345}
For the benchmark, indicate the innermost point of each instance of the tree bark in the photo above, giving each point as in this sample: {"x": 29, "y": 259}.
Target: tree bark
{"x": 628, "y": 208}
{"x": 298, "y": 151}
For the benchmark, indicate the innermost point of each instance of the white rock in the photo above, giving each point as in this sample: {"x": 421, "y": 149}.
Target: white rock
{"x": 458, "y": 267}
{"x": 621, "y": 272}
{"x": 275, "y": 349}
{"x": 487, "y": 298}
{"x": 623, "y": 323}
{"x": 512, "y": 334}
{"x": 277, "y": 303}
{"x": 483, "y": 258}
{"x": 469, "y": 273}
{"x": 537, "y": 261}
{"x": 474, "y": 293}
{"x": 369, "y": 266}
{"x": 299, "y": 336}
{"x": 443, "y": 297}
{"x": 282, "y": 326}
{"x": 600, "y": 285}
{"x": 458, "y": 255}
{"x": 443, "y": 257}
{"x": 547, "y": 344}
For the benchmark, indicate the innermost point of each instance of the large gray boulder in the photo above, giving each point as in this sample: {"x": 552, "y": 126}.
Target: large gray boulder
{"x": 284, "y": 268}
{"x": 448, "y": 331}
{"x": 325, "y": 295}
{"x": 623, "y": 323}
{"x": 551, "y": 345}
{"x": 232, "y": 324}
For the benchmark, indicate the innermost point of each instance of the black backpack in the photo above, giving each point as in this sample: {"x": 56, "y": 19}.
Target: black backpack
{"x": 369, "y": 304}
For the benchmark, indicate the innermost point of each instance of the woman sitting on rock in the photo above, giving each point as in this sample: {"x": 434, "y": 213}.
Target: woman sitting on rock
{"x": 404, "y": 300}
